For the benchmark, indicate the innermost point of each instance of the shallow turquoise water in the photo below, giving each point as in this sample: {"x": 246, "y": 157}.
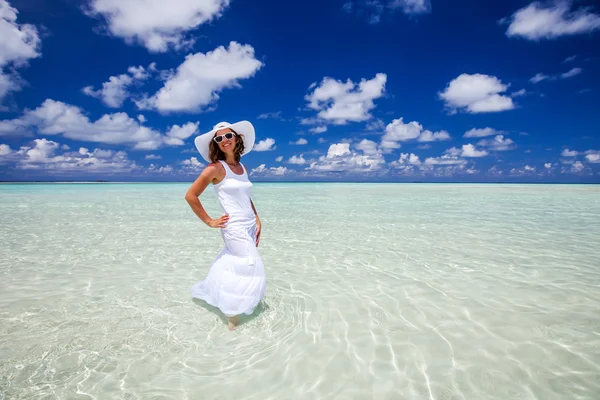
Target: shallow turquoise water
{"x": 383, "y": 291}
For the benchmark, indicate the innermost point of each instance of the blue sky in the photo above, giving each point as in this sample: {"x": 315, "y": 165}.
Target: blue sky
{"x": 378, "y": 90}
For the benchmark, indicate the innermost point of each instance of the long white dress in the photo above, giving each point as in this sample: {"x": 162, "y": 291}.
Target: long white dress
{"x": 236, "y": 281}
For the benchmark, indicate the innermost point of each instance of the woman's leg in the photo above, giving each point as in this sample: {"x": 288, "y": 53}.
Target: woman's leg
{"x": 233, "y": 321}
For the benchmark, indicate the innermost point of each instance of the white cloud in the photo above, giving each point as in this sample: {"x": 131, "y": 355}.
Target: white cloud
{"x": 279, "y": 159}
{"x": 297, "y": 160}
{"x": 199, "y": 79}
{"x": 156, "y": 24}
{"x": 572, "y": 72}
{"x": 115, "y": 91}
{"x": 322, "y": 140}
{"x": 192, "y": 164}
{"x": 593, "y": 158}
{"x": 406, "y": 159}
{"x": 569, "y": 59}
{"x": 42, "y": 154}
{"x": 263, "y": 170}
{"x": 265, "y": 145}
{"x": 569, "y": 153}
{"x": 178, "y": 134}
{"x": 519, "y": 93}
{"x": 19, "y": 44}
{"x": 480, "y": 132}
{"x": 340, "y": 158}
{"x": 397, "y": 131}
{"x": 446, "y": 159}
{"x": 58, "y": 118}
{"x": 368, "y": 147}
{"x": 300, "y": 141}
{"x": 275, "y": 115}
{"x": 468, "y": 150}
{"x": 498, "y": 143}
{"x": 319, "y": 129}
{"x": 551, "y": 20}
{"x": 539, "y": 77}
{"x": 152, "y": 157}
{"x": 476, "y": 93}
{"x": 342, "y": 102}
{"x": 548, "y": 165}
{"x": 5, "y": 150}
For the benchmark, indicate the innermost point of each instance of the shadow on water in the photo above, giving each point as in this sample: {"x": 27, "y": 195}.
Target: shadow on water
{"x": 242, "y": 319}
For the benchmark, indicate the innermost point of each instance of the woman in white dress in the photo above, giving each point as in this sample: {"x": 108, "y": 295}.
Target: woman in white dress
{"x": 236, "y": 280}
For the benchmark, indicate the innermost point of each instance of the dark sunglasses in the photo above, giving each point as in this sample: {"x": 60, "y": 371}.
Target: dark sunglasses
{"x": 228, "y": 135}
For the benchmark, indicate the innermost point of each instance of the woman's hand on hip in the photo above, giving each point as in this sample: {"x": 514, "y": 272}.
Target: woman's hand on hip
{"x": 219, "y": 222}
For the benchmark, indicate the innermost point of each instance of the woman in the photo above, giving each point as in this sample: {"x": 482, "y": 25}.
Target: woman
{"x": 236, "y": 281}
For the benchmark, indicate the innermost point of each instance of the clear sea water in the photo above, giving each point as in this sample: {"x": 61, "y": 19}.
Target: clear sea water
{"x": 375, "y": 291}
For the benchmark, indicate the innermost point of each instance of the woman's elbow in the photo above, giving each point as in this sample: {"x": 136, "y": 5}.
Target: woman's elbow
{"x": 189, "y": 197}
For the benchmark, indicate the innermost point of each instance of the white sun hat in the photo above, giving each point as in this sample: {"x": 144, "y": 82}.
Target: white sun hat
{"x": 244, "y": 128}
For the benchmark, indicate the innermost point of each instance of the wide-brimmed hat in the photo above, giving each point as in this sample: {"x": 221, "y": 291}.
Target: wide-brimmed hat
{"x": 244, "y": 128}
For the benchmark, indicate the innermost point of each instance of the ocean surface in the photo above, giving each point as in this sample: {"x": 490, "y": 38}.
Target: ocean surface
{"x": 374, "y": 291}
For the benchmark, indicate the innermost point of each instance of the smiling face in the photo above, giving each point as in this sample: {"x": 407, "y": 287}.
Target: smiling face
{"x": 228, "y": 143}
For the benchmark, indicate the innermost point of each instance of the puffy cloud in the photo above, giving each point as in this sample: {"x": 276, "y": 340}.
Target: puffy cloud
{"x": 340, "y": 158}
{"x": 476, "y": 93}
{"x": 300, "y": 141}
{"x": 199, "y": 79}
{"x": 569, "y": 153}
{"x": 368, "y": 147}
{"x": 192, "y": 164}
{"x": 468, "y": 150}
{"x": 19, "y": 44}
{"x": 319, "y": 129}
{"x": 156, "y": 24}
{"x": 297, "y": 160}
{"x": 58, "y": 118}
{"x": 406, "y": 159}
{"x": 446, "y": 159}
{"x": 539, "y": 21}
{"x": 483, "y": 132}
{"x": 265, "y": 145}
{"x": 498, "y": 143}
{"x": 5, "y": 150}
{"x": 115, "y": 91}
{"x": 178, "y": 134}
{"x": 397, "y": 131}
{"x": 593, "y": 158}
{"x": 526, "y": 170}
{"x": 279, "y": 159}
{"x": 342, "y": 102}
{"x": 43, "y": 154}
{"x": 263, "y": 170}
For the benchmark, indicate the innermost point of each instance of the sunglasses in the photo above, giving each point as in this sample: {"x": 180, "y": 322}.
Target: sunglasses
{"x": 228, "y": 135}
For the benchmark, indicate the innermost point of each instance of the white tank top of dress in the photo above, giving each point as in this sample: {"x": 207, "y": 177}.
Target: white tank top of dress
{"x": 234, "y": 193}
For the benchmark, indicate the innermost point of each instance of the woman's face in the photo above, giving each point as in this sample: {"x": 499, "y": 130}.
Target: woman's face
{"x": 227, "y": 140}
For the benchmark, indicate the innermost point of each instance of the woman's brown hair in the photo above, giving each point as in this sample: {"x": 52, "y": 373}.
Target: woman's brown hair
{"x": 216, "y": 154}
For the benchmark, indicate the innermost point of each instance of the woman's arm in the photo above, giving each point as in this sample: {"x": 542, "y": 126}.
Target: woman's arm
{"x": 192, "y": 197}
